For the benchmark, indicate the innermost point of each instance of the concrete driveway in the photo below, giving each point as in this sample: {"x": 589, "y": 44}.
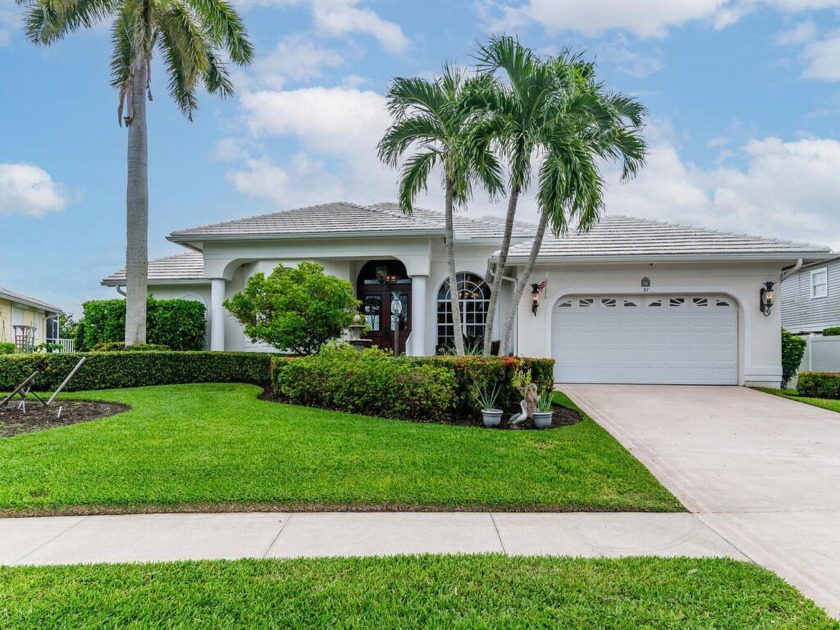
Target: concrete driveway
{"x": 762, "y": 471}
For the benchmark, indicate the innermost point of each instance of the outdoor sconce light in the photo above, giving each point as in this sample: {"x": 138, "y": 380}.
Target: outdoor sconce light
{"x": 381, "y": 273}
{"x": 645, "y": 284}
{"x": 766, "y": 298}
{"x": 535, "y": 297}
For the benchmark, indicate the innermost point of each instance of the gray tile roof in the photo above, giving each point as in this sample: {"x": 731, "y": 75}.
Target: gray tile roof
{"x": 623, "y": 237}
{"x": 188, "y": 266}
{"x": 341, "y": 217}
{"x": 14, "y": 296}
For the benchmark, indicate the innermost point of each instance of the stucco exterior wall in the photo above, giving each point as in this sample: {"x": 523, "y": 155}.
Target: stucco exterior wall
{"x": 759, "y": 345}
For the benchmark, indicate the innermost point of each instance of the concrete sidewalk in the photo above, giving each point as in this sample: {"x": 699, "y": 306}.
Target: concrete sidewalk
{"x": 160, "y": 537}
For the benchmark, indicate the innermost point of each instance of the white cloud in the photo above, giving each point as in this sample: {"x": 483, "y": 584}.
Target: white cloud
{"x": 822, "y": 58}
{"x": 298, "y": 57}
{"x": 782, "y": 189}
{"x": 342, "y": 17}
{"x": 644, "y": 18}
{"x": 336, "y": 121}
{"x": 28, "y": 190}
{"x": 802, "y": 33}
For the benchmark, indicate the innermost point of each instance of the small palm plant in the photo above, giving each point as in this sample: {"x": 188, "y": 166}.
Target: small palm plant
{"x": 486, "y": 397}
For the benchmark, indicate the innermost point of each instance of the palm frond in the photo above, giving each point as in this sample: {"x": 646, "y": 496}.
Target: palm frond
{"x": 224, "y": 28}
{"x": 414, "y": 178}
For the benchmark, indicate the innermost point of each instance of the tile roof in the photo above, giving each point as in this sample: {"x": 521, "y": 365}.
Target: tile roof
{"x": 626, "y": 237}
{"x": 341, "y": 217}
{"x": 14, "y": 296}
{"x": 188, "y": 266}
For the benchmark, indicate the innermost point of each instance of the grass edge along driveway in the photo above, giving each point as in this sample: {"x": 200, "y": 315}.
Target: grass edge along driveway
{"x": 217, "y": 447}
{"x": 791, "y": 394}
{"x": 408, "y": 591}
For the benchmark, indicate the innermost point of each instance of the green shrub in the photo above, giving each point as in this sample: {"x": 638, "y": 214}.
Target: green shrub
{"x": 419, "y": 388}
{"x": 118, "y": 346}
{"x": 107, "y": 370}
{"x": 371, "y": 382}
{"x": 178, "y": 324}
{"x": 79, "y": 337}
{"x": 793, "y": 348}
{"x": 7, "y": 348}
{"x": 295, "y": 309}
{"x": 831, "y": 332}
{"x": 819, "y": 385}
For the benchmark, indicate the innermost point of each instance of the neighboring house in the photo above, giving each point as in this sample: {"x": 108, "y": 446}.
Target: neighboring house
{"x": 811, "y": 297}
{"x": 631, "y": 301}
{"x": 26, "y": 321}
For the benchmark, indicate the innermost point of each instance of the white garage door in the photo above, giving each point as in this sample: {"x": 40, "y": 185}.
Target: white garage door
{"x": 684, "y": 339}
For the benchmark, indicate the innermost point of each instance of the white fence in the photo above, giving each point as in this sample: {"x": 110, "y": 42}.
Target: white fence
{"x": 66, "y": 344}
{"x": 822, "y": 354}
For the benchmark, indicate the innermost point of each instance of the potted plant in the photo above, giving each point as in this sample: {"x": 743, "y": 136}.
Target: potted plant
{"x": 543, "y": 415}
{"x": 486, "y": 397}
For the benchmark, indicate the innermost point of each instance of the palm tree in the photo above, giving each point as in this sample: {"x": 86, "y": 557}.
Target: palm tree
{"x": 438, "y": 120}
{"x": 583, "y": 127}
{"x": 518, "y": 107}
{"x": 192, "y": 37}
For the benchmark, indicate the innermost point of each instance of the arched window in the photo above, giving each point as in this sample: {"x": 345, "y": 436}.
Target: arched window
{"x": 475, "y": 298}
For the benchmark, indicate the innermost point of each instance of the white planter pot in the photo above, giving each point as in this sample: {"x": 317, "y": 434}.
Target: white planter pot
{"x": 542, "y": 419}
{"x": 491, "y": 417}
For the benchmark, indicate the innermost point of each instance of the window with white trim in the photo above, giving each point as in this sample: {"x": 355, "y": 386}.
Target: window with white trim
{"x": 819, "y": 283}
{"x": 475, "y": 299}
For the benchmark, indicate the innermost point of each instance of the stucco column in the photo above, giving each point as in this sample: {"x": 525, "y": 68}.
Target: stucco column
{"x": 419, "y": 306}
{"x": 217, "y": 314}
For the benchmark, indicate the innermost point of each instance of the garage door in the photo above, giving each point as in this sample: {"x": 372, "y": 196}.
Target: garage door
{"x": 683, "y": 339}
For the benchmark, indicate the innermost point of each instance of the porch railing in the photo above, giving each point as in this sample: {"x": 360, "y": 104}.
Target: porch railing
{"x": 66, "y": 344}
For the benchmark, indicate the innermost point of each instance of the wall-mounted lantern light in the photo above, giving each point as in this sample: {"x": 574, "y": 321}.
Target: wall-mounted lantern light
{"x": 645, "y": 284}
{"x": 381, "y": 273}
{"x": 535, "y": 297}
{"x": 766, "y": 296}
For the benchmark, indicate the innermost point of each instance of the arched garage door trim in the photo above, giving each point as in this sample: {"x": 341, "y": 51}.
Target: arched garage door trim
{"x": 743, "y": 322}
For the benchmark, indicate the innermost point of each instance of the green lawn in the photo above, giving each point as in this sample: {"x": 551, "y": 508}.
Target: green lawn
{"x": 217, "y": 447}
{"x": 489, "y": 591}
{"x": 791, "y": 394}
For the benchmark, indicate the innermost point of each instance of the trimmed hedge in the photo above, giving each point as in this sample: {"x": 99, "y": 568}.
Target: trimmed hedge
{"x": 819, "y": 385}
{"x": 831, "y": 332}
{"x": 412, "y": 388}
{"x": 793, "y": 349}
{"x": 369, "y": 382}
{"x": 178, "y": 324}
{"x": 118, "y": 346}
{"x": 7, "y": 348}
{"x": 111, "y": 370}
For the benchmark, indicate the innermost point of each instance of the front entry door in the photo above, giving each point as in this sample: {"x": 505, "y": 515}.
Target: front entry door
{"x": 378, "y": 302}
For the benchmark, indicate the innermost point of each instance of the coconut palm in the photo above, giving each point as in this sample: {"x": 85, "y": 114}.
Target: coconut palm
{"x": 583, "y": 127}
{"x": 438, "y": 121}
{"x": 193, "y": 37}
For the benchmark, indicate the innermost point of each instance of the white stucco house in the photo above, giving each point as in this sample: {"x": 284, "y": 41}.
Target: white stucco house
{"x": 631, "y": 301}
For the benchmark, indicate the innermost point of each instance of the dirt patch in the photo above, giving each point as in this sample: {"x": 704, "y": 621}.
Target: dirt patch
{"x": 562, "y": 416}
{"x": 38, "y": 417}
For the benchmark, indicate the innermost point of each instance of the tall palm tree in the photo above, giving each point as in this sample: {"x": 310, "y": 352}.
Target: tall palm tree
{"x": 437, "y": 119}
{"x": 584, "y": 126}
{"x": 192, "y": 37}
{"x": 518, "y": 104}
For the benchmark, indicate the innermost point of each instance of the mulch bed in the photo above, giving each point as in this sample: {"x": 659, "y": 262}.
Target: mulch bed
{"x": 563, "y": 417}
{"x": 38, "y": 417}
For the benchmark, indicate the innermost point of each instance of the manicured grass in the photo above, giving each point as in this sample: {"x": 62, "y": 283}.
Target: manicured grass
{"x": 217, "y": 447}
{"x": 490, "y": 591}
{"x": 791, "y": 394}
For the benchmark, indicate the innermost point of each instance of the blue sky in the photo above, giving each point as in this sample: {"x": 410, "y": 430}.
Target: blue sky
{"x": 743, "y": 97}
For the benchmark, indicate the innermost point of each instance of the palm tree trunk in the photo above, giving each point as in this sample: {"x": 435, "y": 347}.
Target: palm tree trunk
{"x": 137, "y": 211}
{"x": 454, "y": 297}
{"x": 500, "y": 270}
{"x": 522, "y": 282}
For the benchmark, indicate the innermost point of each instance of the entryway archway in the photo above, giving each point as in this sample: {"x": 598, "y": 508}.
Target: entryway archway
{"x": 385, "y": 288}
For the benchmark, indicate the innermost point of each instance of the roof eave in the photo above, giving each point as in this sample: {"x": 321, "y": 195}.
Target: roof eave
{"x": 43, "y": 306}
{"x": 185, "y": 239}
{"x": 625, "y": 258}
{"x": 157, "y": 281}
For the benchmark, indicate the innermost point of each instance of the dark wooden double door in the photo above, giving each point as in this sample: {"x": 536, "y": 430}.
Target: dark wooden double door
{"x": 387, "y": 331}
